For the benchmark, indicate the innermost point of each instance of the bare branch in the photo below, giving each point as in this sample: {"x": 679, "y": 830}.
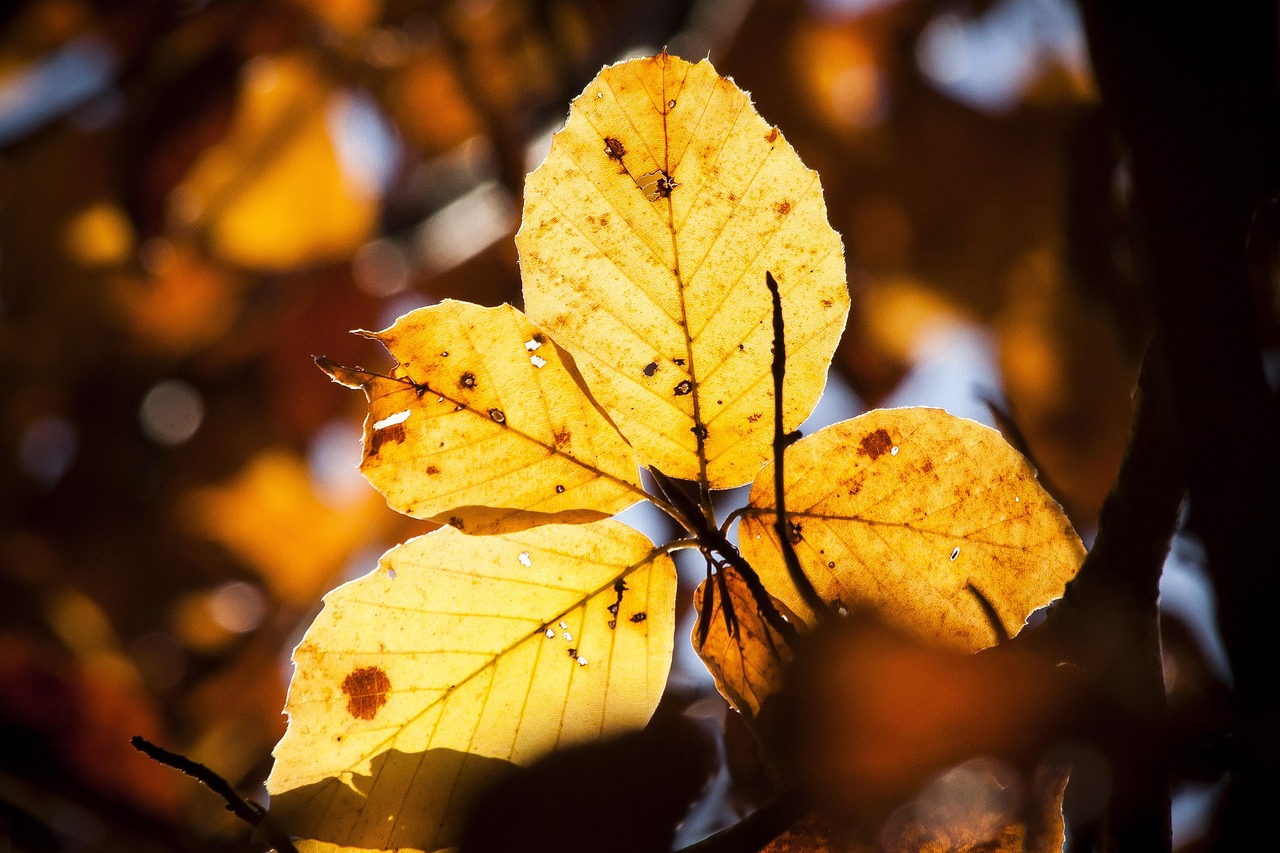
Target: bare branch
{"x": 781, "y": 440}
{"x": 250, "y": 812}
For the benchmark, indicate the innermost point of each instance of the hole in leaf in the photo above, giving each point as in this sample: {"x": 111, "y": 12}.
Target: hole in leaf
{"x": 392, "y": 420}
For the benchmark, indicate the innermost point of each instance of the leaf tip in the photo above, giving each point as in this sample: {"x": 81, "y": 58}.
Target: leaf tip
{"x": 348, "y": 376}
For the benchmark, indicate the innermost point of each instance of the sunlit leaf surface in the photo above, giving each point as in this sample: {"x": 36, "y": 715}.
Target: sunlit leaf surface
{"x": 644, "y": 245}
{"x": 484, "y": 425}
{"x": 910, "y": 511}
{"x": 458, "y": 655}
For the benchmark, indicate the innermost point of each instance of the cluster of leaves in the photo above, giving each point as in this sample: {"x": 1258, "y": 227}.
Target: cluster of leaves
{"x": 685, "y": 295}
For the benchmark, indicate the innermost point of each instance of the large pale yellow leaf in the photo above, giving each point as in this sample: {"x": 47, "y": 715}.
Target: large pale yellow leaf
{"x": 458, "y": 655}
{"x": 484, "y": 425}
{"x": 644, "y": 245}
{"x": 748, "y": 665}
{"x": 909, "y": 511}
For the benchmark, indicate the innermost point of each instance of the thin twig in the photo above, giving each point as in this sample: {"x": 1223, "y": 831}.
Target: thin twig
{"x": 250, "y": 812}
{"x": 781, "y": 440}
{"x": 726, "y": 602}
{"x": 708, "y": 605}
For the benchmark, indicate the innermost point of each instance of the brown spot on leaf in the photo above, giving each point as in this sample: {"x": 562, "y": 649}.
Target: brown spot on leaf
{"x": 614, "y": 148}
{"x": 772, "y": 136}
{"x": 456, "y": 521}
{"x": 395, "y": 433}
{"x": 431, "y": 469}
{"x": 926, "y": 466}
{"x": 874, "y": 444}
{"x": 783, "y": 207}
{"x": 562, "y": 438}
{"x": 753, "y": 418}
{"x": 366, "y": 690}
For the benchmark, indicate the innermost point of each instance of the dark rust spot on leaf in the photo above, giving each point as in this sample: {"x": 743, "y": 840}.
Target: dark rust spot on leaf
{"x": 683, "y": 389}
{"x": 467, "y": 380}
{"x": 366, "y": 690}
{"x": 679, "y": 362}
{"x": 651, "y": 368}
{"x": 614, "y": 148}
{"x": 395, "y": 433}
{"x": 497, "y": 416}
{"x": 875, "y": 444}
{"x": 794, "y": 532}
{"x": 639, "y": 617}
{"x": 700, "y": 431}
{"x": 456, "y": 521}
{"x": 559, "y": 489}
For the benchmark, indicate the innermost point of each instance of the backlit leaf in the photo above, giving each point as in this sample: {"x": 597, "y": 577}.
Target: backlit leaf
{"x": 421, "y": 681}
{"x": 747, "y": 667}
{"x": 909, "y": 511}
{"x": 484, "y": 425}
{"x": 644, "y": 245}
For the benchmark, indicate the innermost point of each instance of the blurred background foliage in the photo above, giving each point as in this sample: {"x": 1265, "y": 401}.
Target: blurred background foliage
{"x": 196, "y": 197}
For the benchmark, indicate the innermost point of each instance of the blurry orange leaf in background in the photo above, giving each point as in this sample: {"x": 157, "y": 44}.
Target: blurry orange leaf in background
{"x": 273, "y": 195}
{"x": 430, "y": 106}
{"x": 347, "y": 17}
{"x": 269, "y": 516}
{"x": 100, "y": 235}
{"x": 187, "y": 303}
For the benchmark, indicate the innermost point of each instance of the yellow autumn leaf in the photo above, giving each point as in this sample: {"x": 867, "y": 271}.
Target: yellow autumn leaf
{"x": 644, "y": 245}
{"x": 748, "y": 666}
{"x": 920, "y": 515}
{"x": 273, "y": 194}
{"x": 484, "y": 424}
{"x": 456, "y": 657}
